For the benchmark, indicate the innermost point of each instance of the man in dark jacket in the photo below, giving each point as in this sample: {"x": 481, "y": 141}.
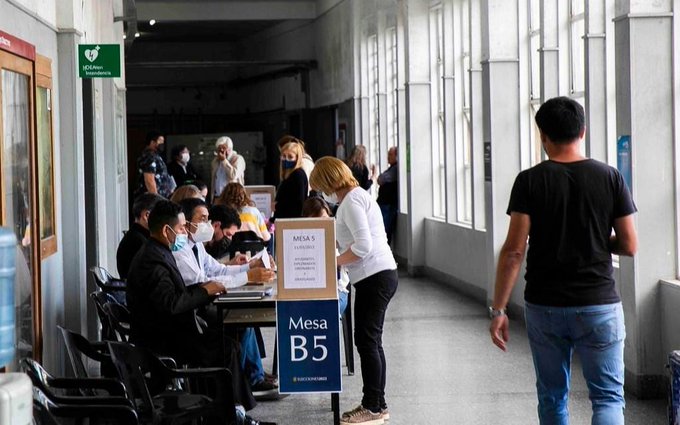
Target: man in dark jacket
{"x": 136, "y": 237}
{"x": 163, "y": 308}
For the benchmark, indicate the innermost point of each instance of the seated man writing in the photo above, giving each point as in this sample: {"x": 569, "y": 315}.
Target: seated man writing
{"x": 163, "y": 309}
{"x": 197, "y": 266}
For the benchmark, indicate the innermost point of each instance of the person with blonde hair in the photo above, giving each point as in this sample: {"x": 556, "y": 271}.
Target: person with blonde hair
{"x": 294, "y": 185}
{"x": 371, "y": 267}
{"x": 307, "y": 161}
{"x": 185, "y": 192}
{"x": 228, "y": 166}
{"x": 234, "y": 195}
{"x": 357, "y": 163}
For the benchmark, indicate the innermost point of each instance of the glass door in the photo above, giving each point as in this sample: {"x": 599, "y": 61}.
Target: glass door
{"x": 17, "y": 198}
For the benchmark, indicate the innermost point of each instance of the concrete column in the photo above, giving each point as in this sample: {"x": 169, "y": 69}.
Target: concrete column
{"x": 452, "y": 99}
{"x": 550, "y": 63}
{"x": 501, "y": 117}
{"x": 418, "y": 162}
{"x": 596, "y": 80}
{"x": 72, "y": 184}
{"x": 644, "y": 111}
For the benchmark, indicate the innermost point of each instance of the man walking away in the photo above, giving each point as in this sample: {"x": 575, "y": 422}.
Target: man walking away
{"x": 567, "y": 207}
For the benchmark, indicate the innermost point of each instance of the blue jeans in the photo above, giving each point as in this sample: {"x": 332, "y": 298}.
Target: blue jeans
{"x": 389, "y": 213}
{"x": 342, "y": 302}
{"x": 596, "y": 333}
{"x": 251, "y": 361}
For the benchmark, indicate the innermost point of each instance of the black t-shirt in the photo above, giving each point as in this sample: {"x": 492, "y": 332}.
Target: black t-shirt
{"x": 572, "y": 207}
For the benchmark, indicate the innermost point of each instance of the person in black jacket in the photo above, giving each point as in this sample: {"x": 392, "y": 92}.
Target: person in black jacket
{"x": 294, "y": 184}
{"x": 163, "y": 309}
{"x": 138, "y": 234}
{"x": 180, "y": 169}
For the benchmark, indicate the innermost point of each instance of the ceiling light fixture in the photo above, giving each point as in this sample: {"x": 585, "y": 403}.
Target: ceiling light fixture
{"x": 124, "y": 36}
{"x": 136, "y": 35}
{"x": 152, "y": 22}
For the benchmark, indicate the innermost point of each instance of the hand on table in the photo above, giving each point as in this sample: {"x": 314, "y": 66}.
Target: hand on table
{"x": 238, "y": 260}
{"x": 214, "y": 287}
{"x": 260, "y": 274}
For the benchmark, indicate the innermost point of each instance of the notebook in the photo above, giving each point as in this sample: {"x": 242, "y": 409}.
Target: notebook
{"x": 247, "y": 293}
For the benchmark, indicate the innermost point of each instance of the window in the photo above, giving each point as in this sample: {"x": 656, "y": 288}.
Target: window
{"x": 43, "y": 107}
{"x": 373, "y": 112}
{"x": 534, "y": 19}
{"x": 464, "y": 157}
{"x": 17, "y": 200}
{"x": 437, "y": 112}
{"x": 391, "y": 68}
{"x": 577, "y": 30}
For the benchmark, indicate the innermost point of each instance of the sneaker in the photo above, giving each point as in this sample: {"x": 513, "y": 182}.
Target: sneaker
{"x": 360, "y": 415}
{"x": 385, "y": 414}
{"x": 264, "y": 388}
{"x": 271, "y": 378}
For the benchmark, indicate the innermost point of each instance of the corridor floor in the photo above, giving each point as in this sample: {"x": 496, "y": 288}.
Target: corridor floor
{"x": 443, "y": 369}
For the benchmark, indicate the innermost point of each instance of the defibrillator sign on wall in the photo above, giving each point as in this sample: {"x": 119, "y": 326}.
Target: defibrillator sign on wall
{"x": 99, "y": 60}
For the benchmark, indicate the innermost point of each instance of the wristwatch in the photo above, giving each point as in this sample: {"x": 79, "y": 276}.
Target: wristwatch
{"x": 493, "y": 313}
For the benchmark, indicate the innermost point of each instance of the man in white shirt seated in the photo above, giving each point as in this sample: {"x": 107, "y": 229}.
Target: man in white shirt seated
{"x": 197, "y": 266}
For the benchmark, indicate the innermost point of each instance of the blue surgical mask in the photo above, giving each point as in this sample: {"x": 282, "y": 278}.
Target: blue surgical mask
{"x": 180, "y": 241}
{"x": 287, "y": 165}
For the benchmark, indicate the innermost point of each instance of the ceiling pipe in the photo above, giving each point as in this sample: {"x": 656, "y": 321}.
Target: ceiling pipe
{"x": 307, "y": 64}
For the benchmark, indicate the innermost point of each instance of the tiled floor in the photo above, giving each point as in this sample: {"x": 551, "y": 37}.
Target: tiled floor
{"x": 443, "y": 369}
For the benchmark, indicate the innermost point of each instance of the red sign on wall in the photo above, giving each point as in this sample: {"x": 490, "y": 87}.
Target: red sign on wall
{"x": 17, "y": 46}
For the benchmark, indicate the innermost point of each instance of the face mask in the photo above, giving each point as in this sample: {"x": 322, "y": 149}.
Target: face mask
{"x": 204, "y": 233}
{"x": 331, "y": 199}
{"x": 184, "y": 159}
{"x": 287, "y": 165}
{"x": 180, "y": 241}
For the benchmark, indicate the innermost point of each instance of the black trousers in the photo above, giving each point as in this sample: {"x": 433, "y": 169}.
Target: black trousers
{"x": 372, "y": 296}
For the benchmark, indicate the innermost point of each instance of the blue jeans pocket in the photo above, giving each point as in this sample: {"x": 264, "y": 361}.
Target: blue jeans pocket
{"x": 600, "y": 326}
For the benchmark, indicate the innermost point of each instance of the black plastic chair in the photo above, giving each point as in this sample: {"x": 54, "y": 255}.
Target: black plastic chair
{"x": 136, "y": 365}
{"x": 48, "y": 412}
{"x": 62, "y": 390}
{"x": 114, "y": 317}
{"x": 105, "y": 281}
{"x": 245, "y": 241}
{"x": 77, "y": 346}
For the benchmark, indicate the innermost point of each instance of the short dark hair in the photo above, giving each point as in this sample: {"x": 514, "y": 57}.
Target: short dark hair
{"x": 227, "y": 216}
{"x": 189, "y": 205}
{"x": 561, "y": 119}
{"x": 152, "y": 136}
{"x": 200, "y": 184}
{"x": 165, "y": 212}
{"x": 313, "y": 206}
{"x": 145, "y": 202}
{"x": 176, "y": 150}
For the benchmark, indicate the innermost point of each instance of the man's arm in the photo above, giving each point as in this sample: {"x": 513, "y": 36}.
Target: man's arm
{"x": 624, "y": 240}
{"x": 150, "y": 182}
{"x": 509, "y": 264}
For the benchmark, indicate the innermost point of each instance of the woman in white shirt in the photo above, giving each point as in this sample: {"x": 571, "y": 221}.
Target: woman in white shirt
{"x": 365, "y": 253}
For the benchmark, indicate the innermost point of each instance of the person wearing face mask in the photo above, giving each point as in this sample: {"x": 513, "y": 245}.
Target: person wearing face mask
{"x": 197, "y": 266}
{"x": 294, "y": 185}
{"x": 163, "y": 308}
{"x": 153, "y": 173}
{"x": 372, "y": 270}
{"x": 228, "y": 166}
{"x": 138, "y": 234}
{"x": 226, "y": 222}
{"x": 180, "y": 168}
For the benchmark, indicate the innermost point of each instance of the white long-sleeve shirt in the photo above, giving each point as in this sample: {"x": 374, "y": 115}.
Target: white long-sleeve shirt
{"x": 209, "y": 269}
{"x": 359, "y": 226}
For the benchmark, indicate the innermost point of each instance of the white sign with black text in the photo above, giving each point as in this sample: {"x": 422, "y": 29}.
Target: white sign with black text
{"x": 305, "y": 259}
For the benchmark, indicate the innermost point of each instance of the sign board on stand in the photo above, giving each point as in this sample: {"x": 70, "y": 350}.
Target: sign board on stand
{"x": 308, "y": 332}
{"x": 263, "y": 197}
{"x": 305, "y": 256}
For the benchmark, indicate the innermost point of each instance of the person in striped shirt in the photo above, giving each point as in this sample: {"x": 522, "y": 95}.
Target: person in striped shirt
{"x": 234, "y": 195}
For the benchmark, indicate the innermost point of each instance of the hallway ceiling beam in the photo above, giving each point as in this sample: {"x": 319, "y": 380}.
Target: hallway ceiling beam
{"x": 247, "y": 10}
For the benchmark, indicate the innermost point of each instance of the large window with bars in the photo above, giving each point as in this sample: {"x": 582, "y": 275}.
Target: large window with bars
{"x": 372, "y": 92}
{"x": 437, "y": 112}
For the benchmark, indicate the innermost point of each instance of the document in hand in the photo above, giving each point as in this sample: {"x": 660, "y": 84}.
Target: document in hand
{"x": 265, "y": 258}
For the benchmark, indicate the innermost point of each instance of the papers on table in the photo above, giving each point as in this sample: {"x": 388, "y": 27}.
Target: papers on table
{"x": 264, "y": 255}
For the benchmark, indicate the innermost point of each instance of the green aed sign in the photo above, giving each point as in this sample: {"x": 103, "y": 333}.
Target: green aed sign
{"x": 98, "y": 60}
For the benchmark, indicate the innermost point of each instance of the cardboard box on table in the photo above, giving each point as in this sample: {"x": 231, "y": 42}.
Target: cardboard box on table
{"x": 263, "y": 197}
